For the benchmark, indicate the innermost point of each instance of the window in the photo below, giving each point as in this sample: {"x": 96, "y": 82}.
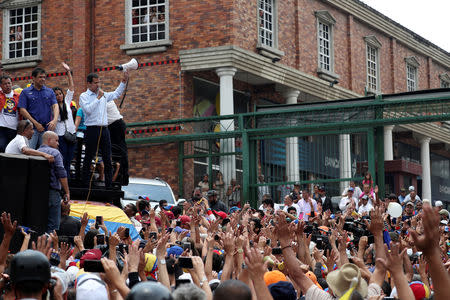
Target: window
{"x": 325, "y": 52}
{"x": 445, "y": 80}
{"x": 372, "y": 67}
{"x": 372, "y": 64}
{"x": 266, "y": 22}
{"x": 411, "y": 73}
{"x": 147, "y": 26}
{"x": 324, "y": 46}
{"x": 148, "y": 20}
{"x": 21, "y": 26}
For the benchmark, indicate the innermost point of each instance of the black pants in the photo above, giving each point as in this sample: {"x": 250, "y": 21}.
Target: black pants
{"x": 6, "y": 135}
{"x": 119, "y": 147}
{"x": 104, "y": 148}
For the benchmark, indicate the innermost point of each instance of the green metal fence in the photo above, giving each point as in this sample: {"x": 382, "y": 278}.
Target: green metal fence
{"x": 257, "y": 143}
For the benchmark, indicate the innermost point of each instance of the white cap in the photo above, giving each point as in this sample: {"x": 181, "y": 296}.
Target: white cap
{"x": 438, "y": 203}
{"x": 411, "y": 188}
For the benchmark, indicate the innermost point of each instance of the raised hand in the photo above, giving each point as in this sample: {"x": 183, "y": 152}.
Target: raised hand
{"x": 8, "y": 226}
{"x": 429, "y": 240}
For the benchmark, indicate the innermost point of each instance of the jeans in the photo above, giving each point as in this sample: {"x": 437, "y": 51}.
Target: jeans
{"x": 54, "y": 210}
{"x": 104, "y": 147}
{"x": 67, "y": 149}
{"x": 6, "y": 135}
{"x": 36, "y": 139}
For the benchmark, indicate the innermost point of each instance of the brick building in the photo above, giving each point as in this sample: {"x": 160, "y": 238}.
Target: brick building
{"x": 266, "y": 51}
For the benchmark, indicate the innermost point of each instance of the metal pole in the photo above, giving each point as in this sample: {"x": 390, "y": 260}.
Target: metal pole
{"x": 210, "y": 173}
{"x": 371, "y": 150}
{"x": 180, "y": 169}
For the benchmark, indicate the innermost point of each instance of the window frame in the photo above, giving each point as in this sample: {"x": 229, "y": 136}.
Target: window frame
{"x": 148, "y": 46}
{"x": 413, "y": 63}
{"x": 325, "y": 18}
{"x": 25, "y": 61}
{"x": 374, "y": 43}
{"x": 271, "y": 52}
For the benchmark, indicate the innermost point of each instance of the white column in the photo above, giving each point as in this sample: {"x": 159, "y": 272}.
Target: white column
{"x": 388, "y": 147}
{"x": 228, "y": 162}
{"x": 345, "y": 170}
{"x": 292, "y": 160}
{"x": 426, "y": 170}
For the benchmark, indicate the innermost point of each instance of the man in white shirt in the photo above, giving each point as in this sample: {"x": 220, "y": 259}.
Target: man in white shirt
{"x": 9, "y": 113}
{"x": 117, "y": 129}
{"x": 93, "y": 102}
{"x": 347, "y": 200}
{"x": 20, "y": 145}
{"x": 412, "y": 196}
{"x": 365, "y": 207}
{"x": 288, "y": 202}
{"x": 307, "y": 205}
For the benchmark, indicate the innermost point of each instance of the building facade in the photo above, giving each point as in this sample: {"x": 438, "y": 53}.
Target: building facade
{"x": 235, "y": 55}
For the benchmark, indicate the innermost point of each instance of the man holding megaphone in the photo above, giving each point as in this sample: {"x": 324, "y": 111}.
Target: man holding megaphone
{"x": 93, "y": 103}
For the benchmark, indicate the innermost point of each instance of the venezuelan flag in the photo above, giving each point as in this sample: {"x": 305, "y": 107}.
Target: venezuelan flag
{"x": 113, "y": 217}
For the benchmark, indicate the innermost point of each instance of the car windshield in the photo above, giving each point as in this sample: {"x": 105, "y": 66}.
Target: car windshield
{"x": 153, "y": 192}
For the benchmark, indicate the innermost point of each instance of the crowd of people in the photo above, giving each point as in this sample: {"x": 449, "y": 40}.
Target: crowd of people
{"x": 200, "y": 249}
{"x": 43, "y": 121}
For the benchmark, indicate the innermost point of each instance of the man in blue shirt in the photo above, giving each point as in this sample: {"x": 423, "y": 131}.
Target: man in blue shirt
{"x": 58, "y": 178}
{"x": 37, "y": 103}
{"x": 93, "y": 102}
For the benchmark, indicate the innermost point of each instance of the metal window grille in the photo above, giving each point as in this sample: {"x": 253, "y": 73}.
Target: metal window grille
{"x": 324, "y": 47}
{"x": 372, "y": 65}
{"x": 266, "y": 25}
{"x": 445, "y": 84}
{"x": 149, "y": 20}
{"x": 411, "y": 81}
{"x": 23, "y": 32}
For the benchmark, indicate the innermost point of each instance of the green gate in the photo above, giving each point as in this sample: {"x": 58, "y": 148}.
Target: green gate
{"x": 247, "y": 145}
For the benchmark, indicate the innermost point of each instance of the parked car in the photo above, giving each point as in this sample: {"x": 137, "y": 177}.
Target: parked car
{"x": 154, "y": 189}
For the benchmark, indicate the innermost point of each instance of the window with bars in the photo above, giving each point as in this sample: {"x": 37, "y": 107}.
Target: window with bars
{"x": 411, "y": 78}
{"x": 266, "y": 22}
{"x": 372, "y": 68}
{"x": 22, "y": 25}
{"x": 149, "y": 20}
{"x": 324, "y": 46}
{"x": 445, "y": 84}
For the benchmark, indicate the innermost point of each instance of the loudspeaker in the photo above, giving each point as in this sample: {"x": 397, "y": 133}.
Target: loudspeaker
{"x": 36, "y": 208}
{"x": 131, "y": 65}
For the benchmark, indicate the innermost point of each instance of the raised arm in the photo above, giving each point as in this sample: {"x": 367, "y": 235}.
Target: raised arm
{"x": 9, "y": 228}
{"x": 69, "y": 76}
{"x": 119, "y": 90}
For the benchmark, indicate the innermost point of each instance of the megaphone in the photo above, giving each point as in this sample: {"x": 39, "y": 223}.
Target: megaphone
{"x": 131, "y": 65}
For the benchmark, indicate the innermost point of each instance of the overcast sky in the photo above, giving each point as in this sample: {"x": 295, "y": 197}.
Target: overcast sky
{"x": 429, "y": 19}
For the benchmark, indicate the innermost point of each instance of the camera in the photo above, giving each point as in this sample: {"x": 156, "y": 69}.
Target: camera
{"x": 358, "y": 229}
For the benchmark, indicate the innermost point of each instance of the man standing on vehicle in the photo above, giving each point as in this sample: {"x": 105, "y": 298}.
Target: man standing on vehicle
{"x": 131, "y": 210}
{"x": 93, "y": 102}
{"x": 9, "y": 115}
{"x": 37, "y": 103}
{"x": 58, "y": 178}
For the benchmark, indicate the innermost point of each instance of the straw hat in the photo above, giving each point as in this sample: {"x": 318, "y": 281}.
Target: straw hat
{"x": 340, "y": 280}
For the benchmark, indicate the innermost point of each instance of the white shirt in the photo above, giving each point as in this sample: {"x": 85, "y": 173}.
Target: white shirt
{"x": 9, "y": 113}
{"x": 356, "y": 193}
{"x": 113, "y": 112}
{"x": 344, "y": 201}
{"x": 60, "y": 128}
{"x": 17, "y": 144}
{"x": 365, "y": 208}
{"x": 408, "y": 198}
{"x": 306, "y": 207}
{"x": 95, "y": 109}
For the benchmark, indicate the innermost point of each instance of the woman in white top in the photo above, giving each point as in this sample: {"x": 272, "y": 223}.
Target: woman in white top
{"x": 65, "y": 120}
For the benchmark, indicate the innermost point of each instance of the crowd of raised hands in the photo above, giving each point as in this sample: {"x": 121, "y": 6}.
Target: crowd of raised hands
{"x": 248, "y": 254}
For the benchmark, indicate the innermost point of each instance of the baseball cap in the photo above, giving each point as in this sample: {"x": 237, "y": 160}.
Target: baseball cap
{"x": 402, "y": 190}
{"x": 90, "y": 286}
{"x": 438, "y": 203}
{"x": 392, "y": 196}
{"x": 184, "y": 219}
{"x": 350, "y": 189}
{"x": 411, "y": 188}
{"x": 410, "y": 203}
{"x": 94, "y": 254}
{"x": 443, "y": 212}
{"x": 321, "y": 188}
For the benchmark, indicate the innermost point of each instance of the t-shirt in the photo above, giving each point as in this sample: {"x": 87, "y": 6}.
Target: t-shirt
{"x": 306, "y": 208}
{"x": 9, "y": 115}
{"x": 80, "y": 114}
{"x": 17, "y": 144}
{"x": 67, "y": 124}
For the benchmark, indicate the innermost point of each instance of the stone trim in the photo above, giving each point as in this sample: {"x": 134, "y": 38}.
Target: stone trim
{"x": 327, "y": 75}
{"x": 247, "y": 61}
{"x": 325, "y": 17}
{"x": 372, "y": 41}
{"x": 270, "y": 52}
{"x": 411, "y": 60}
{"x": 20, "y": 63}
{"x": 8, "y": 4}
